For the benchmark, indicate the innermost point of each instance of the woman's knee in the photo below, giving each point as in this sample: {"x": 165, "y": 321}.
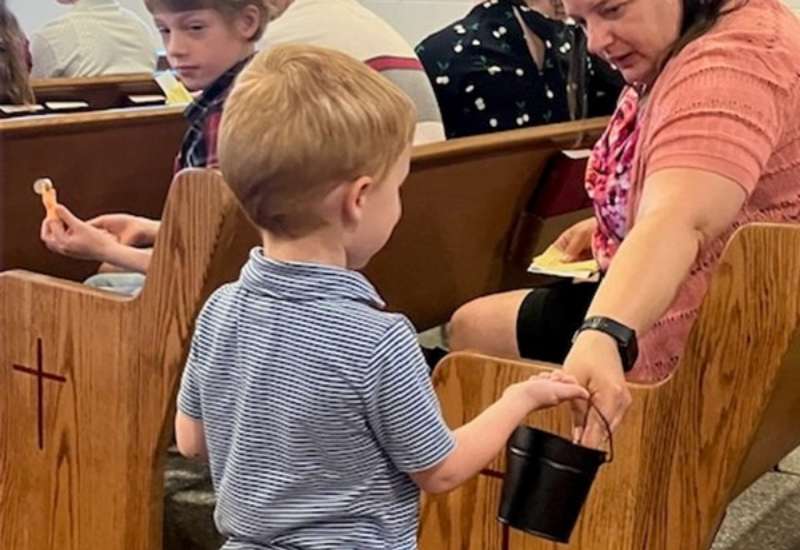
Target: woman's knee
{"x": 488, "y": 324}
{"x": 463, "y": 330}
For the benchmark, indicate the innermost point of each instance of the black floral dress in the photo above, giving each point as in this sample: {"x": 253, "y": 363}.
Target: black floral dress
{"x": 485, "y": 79}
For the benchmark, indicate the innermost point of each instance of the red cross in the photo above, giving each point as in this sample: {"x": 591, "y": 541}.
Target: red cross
{"x": 40, "y": 375}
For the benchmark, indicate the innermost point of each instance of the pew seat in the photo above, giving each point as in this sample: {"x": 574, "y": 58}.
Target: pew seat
{"x": 687, "y": 446}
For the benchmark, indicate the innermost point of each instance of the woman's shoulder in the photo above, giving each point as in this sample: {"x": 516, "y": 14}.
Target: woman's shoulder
{"x": 759, "y": 40}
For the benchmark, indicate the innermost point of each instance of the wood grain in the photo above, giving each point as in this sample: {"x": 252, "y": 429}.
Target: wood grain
{"x": 688, "y": 444}
{"x": 98, "y": 481}
{"x": 118, "y": 161}
{"x": 461, "y": 203}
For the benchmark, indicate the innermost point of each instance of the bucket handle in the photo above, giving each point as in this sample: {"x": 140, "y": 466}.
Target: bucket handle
{"x": 607, "y": 425}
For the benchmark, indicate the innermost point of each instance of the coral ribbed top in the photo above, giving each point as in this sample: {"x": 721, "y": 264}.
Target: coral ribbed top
{"x": 729, "y": 103}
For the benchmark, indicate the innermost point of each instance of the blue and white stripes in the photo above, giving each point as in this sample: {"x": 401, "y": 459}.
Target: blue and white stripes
{"x": 314, "y": 404}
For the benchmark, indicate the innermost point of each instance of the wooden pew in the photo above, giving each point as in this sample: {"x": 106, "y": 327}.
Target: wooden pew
{"x": 114, "y": 161}
{"x": 88, "y": 379}
{"x": 687, "y": 446}
{"x": 462, "y": 203}
{"x": 100, "y": 92}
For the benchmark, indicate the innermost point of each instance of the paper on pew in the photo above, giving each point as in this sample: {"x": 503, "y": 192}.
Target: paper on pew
{"x": 146, "y": 99}
{"x": 17, "y": 109}
{"x": 550, "y": 263}
{"x": 65, "y": 105}
{"x": 176, "y": 92}
{"x": 577, "y": 154}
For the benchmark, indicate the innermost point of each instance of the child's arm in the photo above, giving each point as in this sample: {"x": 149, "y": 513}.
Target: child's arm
{"x": 479, "y": 441}
{"x": 190, "y": 436}
{"x": 71, "y": 236}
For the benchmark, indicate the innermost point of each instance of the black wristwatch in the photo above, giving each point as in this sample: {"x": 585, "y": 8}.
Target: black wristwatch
{"x": 625, "y": 337}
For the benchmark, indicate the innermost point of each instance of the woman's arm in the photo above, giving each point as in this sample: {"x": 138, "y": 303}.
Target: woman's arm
{"x": 681, "y": 209}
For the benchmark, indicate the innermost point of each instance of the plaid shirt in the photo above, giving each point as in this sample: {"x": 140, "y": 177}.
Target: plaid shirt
{"x": 199, "y": 147}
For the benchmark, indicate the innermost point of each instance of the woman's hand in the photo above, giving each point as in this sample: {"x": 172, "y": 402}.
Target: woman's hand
{"x": 576, "y": 242}
{"x": 128, "y": 229}
{"x": 71, "y": 236}
{"x": 595, "y": 363}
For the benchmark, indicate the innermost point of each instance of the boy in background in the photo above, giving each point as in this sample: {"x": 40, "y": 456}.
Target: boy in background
{"x": 315, "y": 407}
{"x": 208, "y": 42}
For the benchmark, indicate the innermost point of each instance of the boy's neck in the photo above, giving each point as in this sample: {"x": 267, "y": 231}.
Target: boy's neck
{"x": 318, "y": 247}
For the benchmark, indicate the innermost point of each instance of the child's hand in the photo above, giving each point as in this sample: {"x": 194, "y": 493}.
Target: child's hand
{"x": 128, "y": 229}
{"x": 548, "y": 390}
{"x": 70, "y": 236}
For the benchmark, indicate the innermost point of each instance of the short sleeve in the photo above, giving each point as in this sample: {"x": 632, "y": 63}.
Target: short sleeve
{"x": 43, "y": 57}
{"x": 716, "y": 112}
{"x": 402, "y": 409}
{"x": 189, "y": 398}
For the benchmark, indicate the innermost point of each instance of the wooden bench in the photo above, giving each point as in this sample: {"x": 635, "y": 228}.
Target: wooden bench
{"x": 687, "y": 446}
{"x": 88, "y": 379}
{"x": 462, "y": 204}
{"x": 114, "y": 161}
{"x": 100, "y": 92}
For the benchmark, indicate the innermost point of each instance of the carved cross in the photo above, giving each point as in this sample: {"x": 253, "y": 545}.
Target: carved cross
{"x": 40, "y": 375}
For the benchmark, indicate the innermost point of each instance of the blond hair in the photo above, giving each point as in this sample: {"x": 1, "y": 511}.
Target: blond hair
{"x": 228, "y": 8}
{"x": 15, "y": 86}
{"x": 301, "y": 120}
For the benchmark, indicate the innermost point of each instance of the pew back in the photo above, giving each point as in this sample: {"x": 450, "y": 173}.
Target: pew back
{"x": 114, "y": 161}
{"x": 461, "y": 203}
{"x": 100, "y": 92}
{"x": 686, "y": 446}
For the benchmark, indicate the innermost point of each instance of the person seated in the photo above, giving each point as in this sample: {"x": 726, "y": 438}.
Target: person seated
{"x": 704, "y": 140}
{"x": 208, "y": 42}
{"x": 513, "y": 64}
{"x": 314, "y": 406}
{"x": 95, "y": 37}
{"x": 347, "y": 26}
{"x": 15, "y": 87}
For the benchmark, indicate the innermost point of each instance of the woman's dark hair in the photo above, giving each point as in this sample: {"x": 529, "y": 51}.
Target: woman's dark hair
{"x": 14, "y": 84}
{"x": 698, "y": 18}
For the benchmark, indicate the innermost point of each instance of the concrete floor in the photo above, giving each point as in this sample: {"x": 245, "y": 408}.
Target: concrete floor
{"x": 765, "y": 517}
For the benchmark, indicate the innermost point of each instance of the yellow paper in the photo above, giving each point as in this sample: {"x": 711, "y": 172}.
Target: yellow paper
{"x": 550, "y": 263}
{"x": 174, "y": 90}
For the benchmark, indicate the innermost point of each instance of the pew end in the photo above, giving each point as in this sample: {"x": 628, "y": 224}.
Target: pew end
{"x": 687, "y": 445}
{"x": 89, "y": 380}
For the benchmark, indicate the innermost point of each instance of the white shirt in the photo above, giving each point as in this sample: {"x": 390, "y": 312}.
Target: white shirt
{"x": 95, "y": 37}
{"x": 349, "y": 27}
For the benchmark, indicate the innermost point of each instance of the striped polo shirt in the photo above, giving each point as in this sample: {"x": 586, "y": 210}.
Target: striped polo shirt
{"x": 316, "y": 404}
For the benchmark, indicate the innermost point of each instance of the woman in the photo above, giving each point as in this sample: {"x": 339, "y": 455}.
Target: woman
{"x": 15, "y": 87}
{"x": 511, "y": 64}
{"x": 703, "y": 141}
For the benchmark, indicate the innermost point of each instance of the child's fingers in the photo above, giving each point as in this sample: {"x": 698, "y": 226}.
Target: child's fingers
{"x": 561, "y": 376}
{"x": 567, "y": 392}
{"x": 69, "y": 219}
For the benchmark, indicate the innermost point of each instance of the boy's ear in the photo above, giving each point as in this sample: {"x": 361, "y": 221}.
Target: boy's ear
{"x": 356, "y": 198}
{"x": 248, "y": 21}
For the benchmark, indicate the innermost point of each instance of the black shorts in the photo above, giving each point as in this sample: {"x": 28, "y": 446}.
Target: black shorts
{"x": 549, "y": 316}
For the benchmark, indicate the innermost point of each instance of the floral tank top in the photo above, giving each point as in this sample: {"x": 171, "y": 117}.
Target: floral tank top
{"x": 608, "y": 178}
